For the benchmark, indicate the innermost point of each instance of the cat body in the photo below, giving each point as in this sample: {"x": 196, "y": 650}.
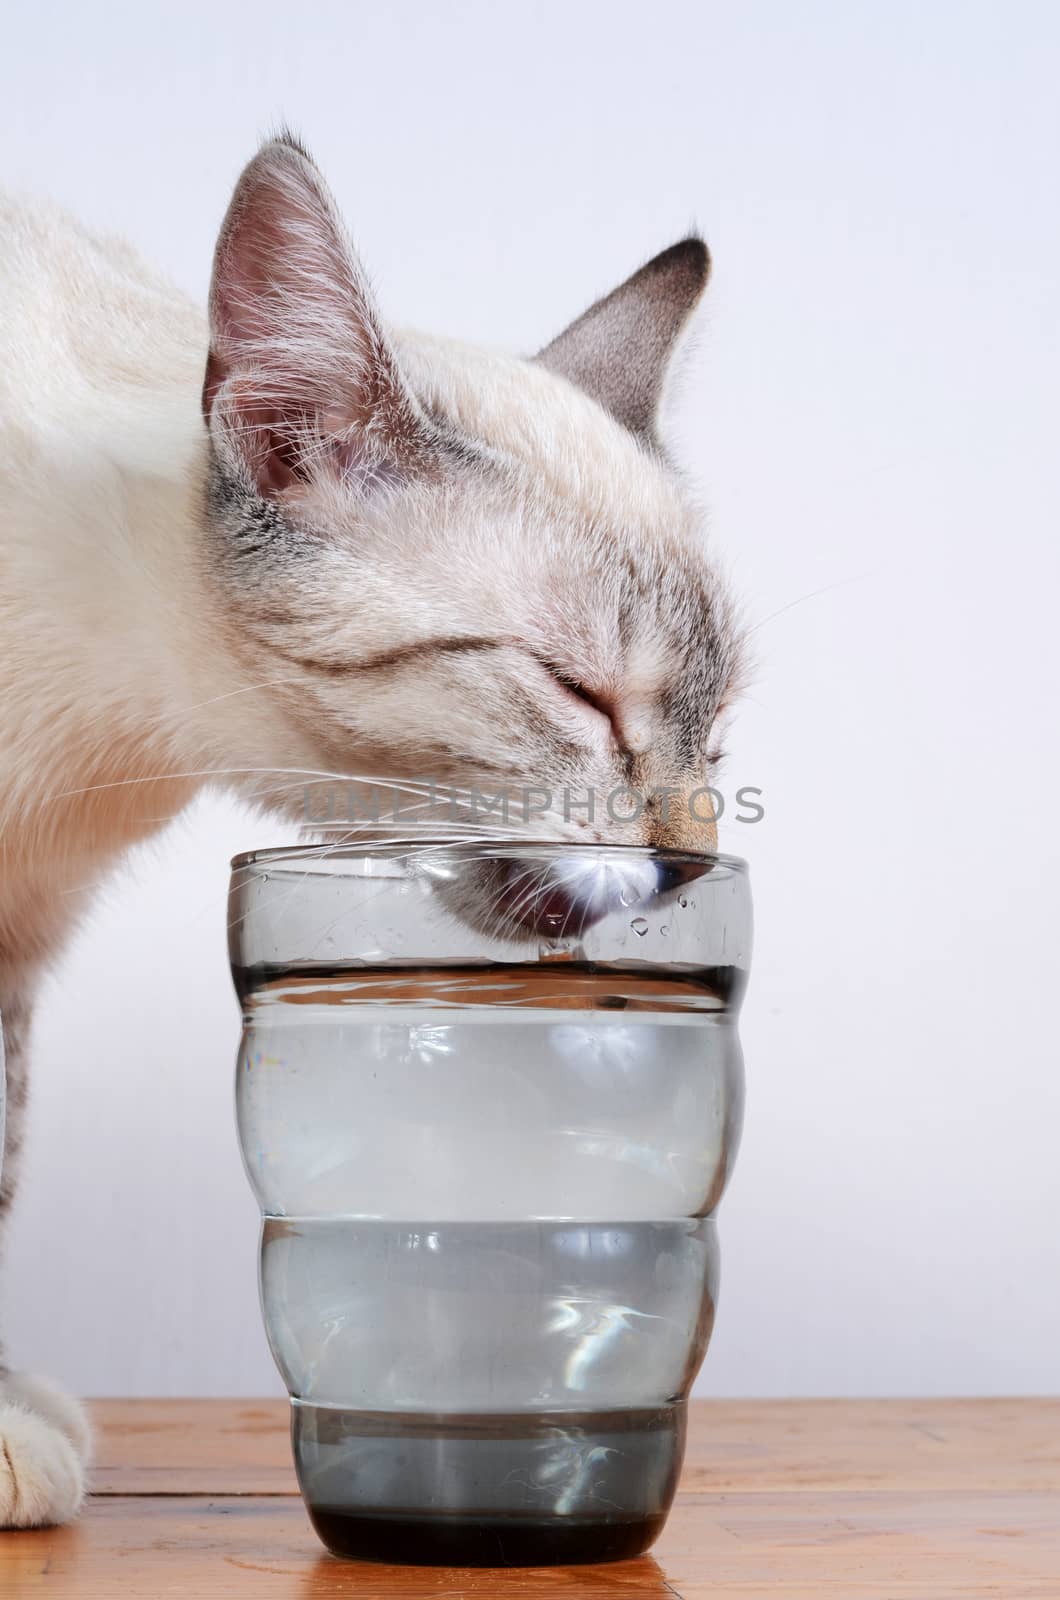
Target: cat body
{"x": 284, "y": 544}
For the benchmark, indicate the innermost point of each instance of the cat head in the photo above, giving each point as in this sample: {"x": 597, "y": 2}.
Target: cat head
{"x": 452, "y": 567}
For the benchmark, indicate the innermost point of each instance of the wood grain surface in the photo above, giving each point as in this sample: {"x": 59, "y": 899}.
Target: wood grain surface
{"x": 915, "y": 1500}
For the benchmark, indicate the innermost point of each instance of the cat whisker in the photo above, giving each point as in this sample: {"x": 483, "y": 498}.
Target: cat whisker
{"x": 207, "y": 773}
{"x": 181, "y": 713}
{"x": 801, "y": 599}
{"x": 334, "y": 848}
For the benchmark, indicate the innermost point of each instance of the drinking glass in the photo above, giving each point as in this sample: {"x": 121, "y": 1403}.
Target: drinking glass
{"x": 489, "y": 1096}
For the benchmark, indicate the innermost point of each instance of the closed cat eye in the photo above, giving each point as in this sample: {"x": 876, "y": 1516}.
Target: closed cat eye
{"x": 573, "y": 686}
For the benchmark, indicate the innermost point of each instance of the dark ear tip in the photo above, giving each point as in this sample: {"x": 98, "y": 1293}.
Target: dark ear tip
{"x": 688, "y": 258}
{"x": 696, "y": 251}
{"x": 279, "y": 148}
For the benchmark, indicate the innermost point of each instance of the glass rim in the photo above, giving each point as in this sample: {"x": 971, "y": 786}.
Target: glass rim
{"x": 479, "y": 849}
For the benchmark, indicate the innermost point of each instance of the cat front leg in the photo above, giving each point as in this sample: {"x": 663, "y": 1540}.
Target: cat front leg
{"x": 45, "y": 1440}
{"x": 44, "y": 1449}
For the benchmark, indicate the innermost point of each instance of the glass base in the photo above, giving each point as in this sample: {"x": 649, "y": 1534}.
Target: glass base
{"x": 453, "y": 1541}
{"x": 545, "y": 1489}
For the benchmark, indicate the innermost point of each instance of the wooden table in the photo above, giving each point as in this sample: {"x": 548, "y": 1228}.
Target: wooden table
{"x": 900, "y": 1500}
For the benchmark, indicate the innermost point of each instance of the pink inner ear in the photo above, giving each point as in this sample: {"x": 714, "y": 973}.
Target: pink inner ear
{"x": 297, "y": 358}
{"x": 281, "y": 463}
{"x": 269, "y": 440}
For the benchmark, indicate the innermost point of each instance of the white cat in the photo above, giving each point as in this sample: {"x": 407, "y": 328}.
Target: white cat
{"x": 379, "y": 554}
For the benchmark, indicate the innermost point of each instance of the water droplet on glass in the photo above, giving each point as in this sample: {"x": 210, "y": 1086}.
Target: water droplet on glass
{"x": 682, "y": 900}
{"x": 639, "y": 926}
{"x": 664, "y": 929}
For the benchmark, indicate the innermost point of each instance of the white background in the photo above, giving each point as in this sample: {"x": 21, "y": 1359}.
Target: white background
{"x": 873, "y": 417}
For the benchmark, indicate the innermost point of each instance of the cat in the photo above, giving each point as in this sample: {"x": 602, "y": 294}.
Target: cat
{"x": 286, "y": 542}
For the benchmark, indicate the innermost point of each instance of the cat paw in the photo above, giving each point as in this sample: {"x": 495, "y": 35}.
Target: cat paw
{"x": 44, "y": 1446}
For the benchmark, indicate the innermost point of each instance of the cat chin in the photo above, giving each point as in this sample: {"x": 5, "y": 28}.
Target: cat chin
{"x": 526, "y": 899}
{"x": 523, "y": 899}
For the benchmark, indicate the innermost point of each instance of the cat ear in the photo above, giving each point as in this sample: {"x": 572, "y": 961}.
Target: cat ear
{"x": 300, "y": 378}
{"x": 619, "y": 350}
